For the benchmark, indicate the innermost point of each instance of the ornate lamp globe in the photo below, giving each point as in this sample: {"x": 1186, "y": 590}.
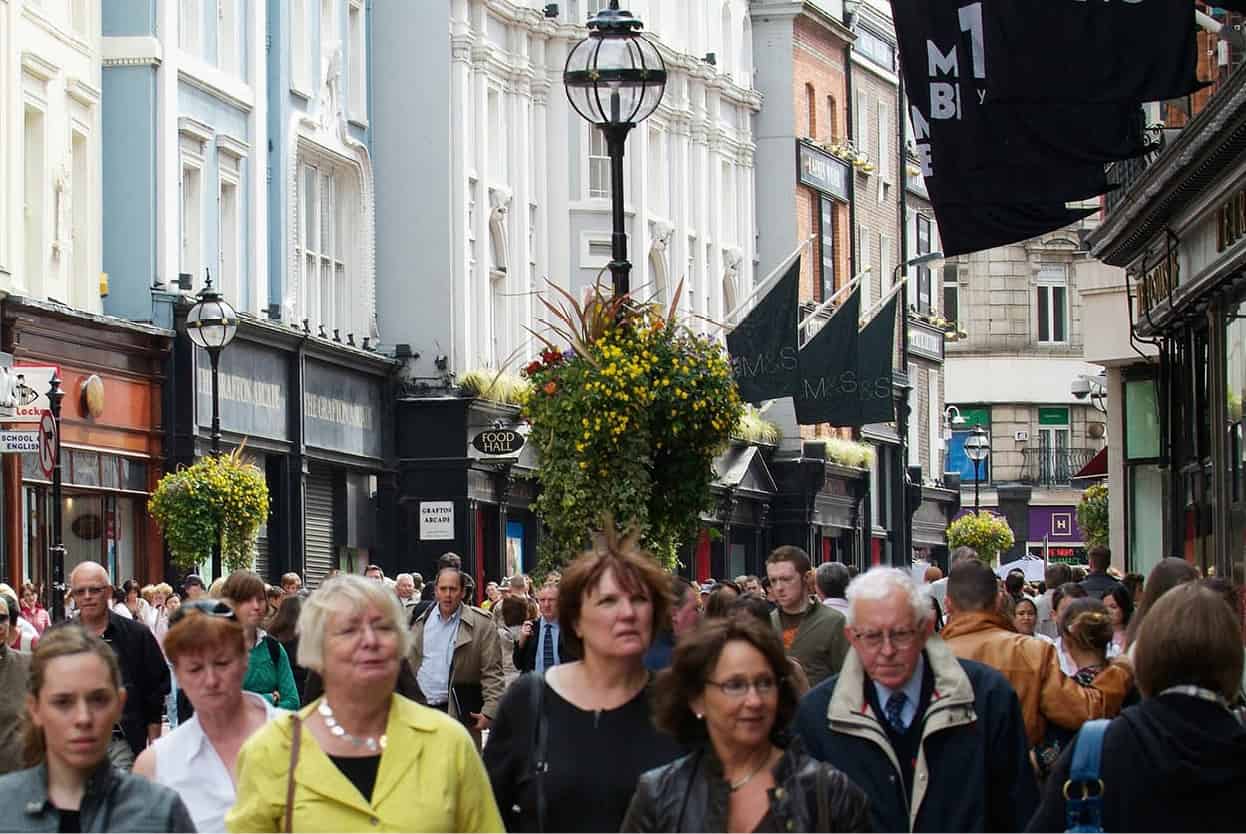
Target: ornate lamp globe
{"x": 615, "y": 76}
{"x": 212, "y": 323}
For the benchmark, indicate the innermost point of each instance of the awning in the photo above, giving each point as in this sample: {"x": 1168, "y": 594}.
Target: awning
{"x": 1096, "y": 468}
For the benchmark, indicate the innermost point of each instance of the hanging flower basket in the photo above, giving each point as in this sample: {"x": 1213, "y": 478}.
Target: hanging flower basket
{"x": 988, "y": 534}
{"x": 1092, "y": 515}
{"x": 217, "y": 492}
{"x": 627, "y": 422}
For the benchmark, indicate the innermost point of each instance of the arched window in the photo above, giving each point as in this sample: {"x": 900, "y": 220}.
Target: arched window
{"x": 832, "y": 118}
{"x": 811, "y": 112}
{"x": 724, "y": 41}
{"x": 657, "y": 270}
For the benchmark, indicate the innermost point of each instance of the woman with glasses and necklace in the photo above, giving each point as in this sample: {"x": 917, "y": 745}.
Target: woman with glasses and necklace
{"x": 728, "y": 695}
{"x": 360, "y": 757}
{"x": 206, "y": 646}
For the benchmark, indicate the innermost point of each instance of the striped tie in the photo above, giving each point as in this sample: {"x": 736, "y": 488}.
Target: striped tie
{"x": 547, "y": 657}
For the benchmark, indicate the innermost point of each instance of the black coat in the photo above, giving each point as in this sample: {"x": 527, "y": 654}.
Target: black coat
{"x": 1171, "y": 763}
{"x": 144, "y": 673}
{"x": 1097, "y": 585}
{"x": 977, "y": 774}
{"x": 525, "y": 656}
{"x": 690, "y": 794}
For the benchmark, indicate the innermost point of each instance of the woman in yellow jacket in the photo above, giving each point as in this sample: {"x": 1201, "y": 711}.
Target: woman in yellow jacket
{"x": 360, "y": 758}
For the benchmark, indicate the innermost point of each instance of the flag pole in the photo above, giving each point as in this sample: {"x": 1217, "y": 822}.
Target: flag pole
{"x": 856, "y": 279}
{"x": 883, "y": 301}
{"x": 766, "y": 282}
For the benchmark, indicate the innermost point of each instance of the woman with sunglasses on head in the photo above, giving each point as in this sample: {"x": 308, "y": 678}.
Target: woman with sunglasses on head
{"x": 728, "y": 695}
{"x": 75, "y": 699}
{"x": 206, "y": 645}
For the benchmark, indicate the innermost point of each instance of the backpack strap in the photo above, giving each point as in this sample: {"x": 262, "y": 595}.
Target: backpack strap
{"x": 540, "y": 747}
{"x": 274, "y": 651}
{"x": 1083, "y": 792}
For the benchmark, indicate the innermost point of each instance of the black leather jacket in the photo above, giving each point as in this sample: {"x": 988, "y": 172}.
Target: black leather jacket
{"x": 690, "y": 794}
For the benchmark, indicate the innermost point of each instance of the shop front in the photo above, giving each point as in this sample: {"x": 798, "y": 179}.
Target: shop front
{"x": 1179, "y": 229}
{"x": 1053, "y": 535}
{"x": 734, "y": 535}
{"x": 111, "y": 441}
{"x": 310, "y": 414}
{"x": 820, "y": 507}
{"x": 465, "y": 484}
{"x": 937, "y": 508}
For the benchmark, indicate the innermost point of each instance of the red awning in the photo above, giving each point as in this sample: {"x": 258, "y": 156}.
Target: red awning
{"x": 1096, "y": 468}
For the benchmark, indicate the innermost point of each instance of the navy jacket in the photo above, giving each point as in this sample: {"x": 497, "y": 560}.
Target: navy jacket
{"x": 972, "y": 771}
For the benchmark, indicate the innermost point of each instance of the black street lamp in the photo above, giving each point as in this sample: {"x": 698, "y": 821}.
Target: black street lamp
{"x": 615, "y": 79}
{"x": 211, "y": 325}
{"x": 977, "y": 449}
{"x": 57, "y": 551}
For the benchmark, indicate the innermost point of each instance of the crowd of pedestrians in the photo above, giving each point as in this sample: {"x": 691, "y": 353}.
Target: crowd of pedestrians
{"x": 616, "y": 696}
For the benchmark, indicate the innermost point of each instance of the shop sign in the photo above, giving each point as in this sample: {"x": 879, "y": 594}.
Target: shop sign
{"x": 925, "y": 341}
{"x": 1159, "y": 280}
{"x": 436, "y": 520}
{"x": 498, "y": 442}
{"x": 24, "y": 392}
{"x": 818, "y": 169}
{"x": 1231, "y": 221}
{"x": 1055, "y": 524}
{"x": 19, "y": 442}
{"x": 253, "y": 384}
{"x": 342, "y": 410}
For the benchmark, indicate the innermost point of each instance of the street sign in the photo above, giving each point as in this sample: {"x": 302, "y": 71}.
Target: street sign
{"x": 47, "y": 443}
{"x": 436, "y": 520}
{"x": 24, "y": 393}
{"x": 20, "y": 442}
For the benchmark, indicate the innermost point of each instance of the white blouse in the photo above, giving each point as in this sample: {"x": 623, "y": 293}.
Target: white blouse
{"x": 188, "y": 763}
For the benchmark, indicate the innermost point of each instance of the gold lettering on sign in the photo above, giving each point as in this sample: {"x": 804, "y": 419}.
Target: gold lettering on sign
{"x": 1158, "y": 282}
{"x": 1231, "y": 221}
{"x": 338, "y": 411}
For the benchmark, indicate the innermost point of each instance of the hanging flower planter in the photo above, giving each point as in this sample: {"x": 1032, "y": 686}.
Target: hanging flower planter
{"x": 217, "y": 492}
{"x": 627, "y": 422}
{"x": 988, "y": 534}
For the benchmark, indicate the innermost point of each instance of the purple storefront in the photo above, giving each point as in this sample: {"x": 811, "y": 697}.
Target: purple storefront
{"x": 1053, "y": 533}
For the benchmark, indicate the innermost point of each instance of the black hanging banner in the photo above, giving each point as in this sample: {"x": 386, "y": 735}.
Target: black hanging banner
{"x": 875, "y": 354}
{"x": 1085, "y": 50}
{"x": 763, "y": 347}
{"x": 973, "y": 228}
{"x": 827, "y": 392}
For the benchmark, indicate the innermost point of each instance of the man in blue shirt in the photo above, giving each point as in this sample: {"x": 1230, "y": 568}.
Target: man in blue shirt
{"x": 541, "y": 645}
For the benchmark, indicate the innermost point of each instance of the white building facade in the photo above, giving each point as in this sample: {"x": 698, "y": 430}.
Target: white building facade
{"x": 50, "y": 145}
{"x": 524, "y": 182}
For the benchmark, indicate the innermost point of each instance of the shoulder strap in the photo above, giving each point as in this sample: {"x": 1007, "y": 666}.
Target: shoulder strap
{"x": 1083, "y": 792}
{"x": 824, "y": 797}
{"x": 274, "y": 651}
{"x": 540, "y": 745}
{"x": 296, "y": 729}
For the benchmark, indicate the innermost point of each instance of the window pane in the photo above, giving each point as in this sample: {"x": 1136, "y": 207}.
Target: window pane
{"x": 85, "y": 467}
{"x": 951, "y": 302}
{"x": 1141, "y": 420}
{"x": 1044, "y": 328}
{"x": 108, "y": 471}
{"x": 311, "y": 222}
{"x": 1057, "y": 313}
{"x": 133, "y": 475}
{"x": 326, "y": 214}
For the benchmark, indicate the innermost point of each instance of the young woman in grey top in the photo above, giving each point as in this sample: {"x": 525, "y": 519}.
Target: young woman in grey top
{"x": 76, "y": 698}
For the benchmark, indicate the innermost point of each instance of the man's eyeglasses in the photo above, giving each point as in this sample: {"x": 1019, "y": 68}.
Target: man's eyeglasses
{"x": 739, "y": 687}
{"x": 91, "y": 590}
{"x": 900, "y": 638}
{"x": 207, "y": 607}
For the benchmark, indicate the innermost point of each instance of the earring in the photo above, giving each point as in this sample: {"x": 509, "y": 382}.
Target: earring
{"x": 700, "y": 716}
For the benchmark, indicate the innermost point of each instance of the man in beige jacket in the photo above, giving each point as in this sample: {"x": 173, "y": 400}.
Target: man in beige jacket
{"x": 976, "y": 631}
{"x": 456, "y": 656}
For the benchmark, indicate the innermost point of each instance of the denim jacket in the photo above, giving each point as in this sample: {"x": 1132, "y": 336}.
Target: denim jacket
{"x": 112, "y": 801}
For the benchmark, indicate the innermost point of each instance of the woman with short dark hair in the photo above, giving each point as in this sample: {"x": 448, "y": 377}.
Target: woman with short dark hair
{"x": 728, "y": 695}
{"x": 611, "y": 602}
{"x": 1177, "y": 760}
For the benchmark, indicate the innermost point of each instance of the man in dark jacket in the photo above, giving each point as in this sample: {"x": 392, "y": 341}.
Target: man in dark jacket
{"x": 813, "y": 634}
{"x": 144, "y": 672}
{"x": 542, "y": 643}
{"x": 1098, "y": 583}
{"x": 936, "y": 743}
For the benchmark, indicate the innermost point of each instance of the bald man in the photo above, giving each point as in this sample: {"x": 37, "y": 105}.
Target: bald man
{"x": 143, "y": 670}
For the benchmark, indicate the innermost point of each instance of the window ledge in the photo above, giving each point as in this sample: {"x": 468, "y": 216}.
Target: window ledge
{"x": 360, "y": 122}
{"x": 300, "y": 91}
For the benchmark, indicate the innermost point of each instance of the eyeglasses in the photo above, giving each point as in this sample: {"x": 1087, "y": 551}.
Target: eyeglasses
{"x": 739, "y": 687}
{"x": 207, "y": 607}
{"x": 91, "y": 590}
{"x": 900, "y": 638}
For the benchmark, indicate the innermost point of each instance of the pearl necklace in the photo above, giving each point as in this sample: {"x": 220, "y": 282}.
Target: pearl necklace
{"x": 372, "y": 743}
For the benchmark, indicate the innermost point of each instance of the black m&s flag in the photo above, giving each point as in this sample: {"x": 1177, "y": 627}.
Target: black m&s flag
{"x": 828, "y": 370}
{"x": 763, "y": 347}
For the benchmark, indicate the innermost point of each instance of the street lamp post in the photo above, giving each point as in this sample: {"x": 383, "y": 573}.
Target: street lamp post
{"x": 57, "y": 551}
{"x": 615, "y": 79}
{"x": 211, "y": 325}
{"x": 977, "y": 449}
